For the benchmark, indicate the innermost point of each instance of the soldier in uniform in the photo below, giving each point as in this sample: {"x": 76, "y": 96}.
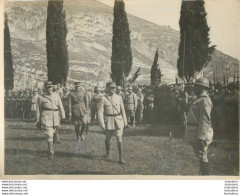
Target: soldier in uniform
{"x": 65, "y": 98}
{"x": 96, "y": 99}
{"x": 139, "y": 111}
{"x": 148, "y": 105}
{"x": 20, "y": 99}
{"x": 78, "y": 110}
{"x": 112, "y": 118}
{"x": 59, "y": 90}
{"x": 131, "y": 106}
{"x": 232, "y": 110}
{"x": 34, "y": 103}
{"x": 218, "y": 111}
{"x": 14, "y": 105}
{"x": 47, "y": 113}
{"x": 199, "y": 132}
{"x": 119, "y": 92}
{"x": 26, "y": 105}
{"x": 8, "y": 104}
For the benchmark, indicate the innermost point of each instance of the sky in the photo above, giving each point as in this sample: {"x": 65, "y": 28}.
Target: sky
{"x": 223, "y": 19}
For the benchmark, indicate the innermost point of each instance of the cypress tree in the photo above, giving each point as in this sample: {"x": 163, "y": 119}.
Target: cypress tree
{"x": 121, "y": 60}
{"x": 8, "y": 62}
{"x": 56, "y": 33}
{"x": 155, "y": 71}
{"x": 194, "y": 48}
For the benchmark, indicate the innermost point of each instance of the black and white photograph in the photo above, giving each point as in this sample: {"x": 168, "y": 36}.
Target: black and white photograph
{"x": 121, "y": 88}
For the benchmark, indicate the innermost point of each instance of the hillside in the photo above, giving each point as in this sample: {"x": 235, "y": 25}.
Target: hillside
{"x": 89, "y": 43}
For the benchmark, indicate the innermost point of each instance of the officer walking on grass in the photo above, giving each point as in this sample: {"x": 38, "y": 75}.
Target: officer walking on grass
{"x": 78, "y": 110}
{"x": 112, "y": 118}
{"x": 48, "y": 107}
{"x": 199, "y": 130}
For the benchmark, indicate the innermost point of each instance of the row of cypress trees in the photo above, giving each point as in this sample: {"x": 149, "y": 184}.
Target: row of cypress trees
{"x": 194, "y": 48}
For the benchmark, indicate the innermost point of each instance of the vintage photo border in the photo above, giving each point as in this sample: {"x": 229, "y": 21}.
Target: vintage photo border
{"x": 76, "y": 177}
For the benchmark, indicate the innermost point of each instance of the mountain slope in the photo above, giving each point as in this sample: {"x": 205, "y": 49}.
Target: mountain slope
{"x": 89, "y": 42}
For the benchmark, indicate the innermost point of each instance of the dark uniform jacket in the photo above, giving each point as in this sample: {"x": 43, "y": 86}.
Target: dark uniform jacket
{"x": 78, "y": 104}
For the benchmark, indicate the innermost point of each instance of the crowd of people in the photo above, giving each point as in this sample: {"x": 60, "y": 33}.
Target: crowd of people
{"x": 143, "y": 104}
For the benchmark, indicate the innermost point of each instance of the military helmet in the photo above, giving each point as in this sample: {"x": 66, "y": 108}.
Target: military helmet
{"x": 112, "y": 85}
{"x": 119, "y": 87}
{"x": 96, "y": 89}
{"x": 77, "y": 84}
{"x": 203, "y": 81}
{"x": 130, "y": 88}
{"x": 48, "y": 84}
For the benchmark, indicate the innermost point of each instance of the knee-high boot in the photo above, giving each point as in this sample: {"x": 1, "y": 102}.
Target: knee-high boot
{"x": 204, "y": 168}
{"x": 56, "y": 137}
{"x": 51, "y": 150}
{"x": 108, "y": 147}
{"x": 77, "y": 132}
{"x": 83, "y": 127}
{"x": 87, "y": 126}
{"x": 120, "y": 151}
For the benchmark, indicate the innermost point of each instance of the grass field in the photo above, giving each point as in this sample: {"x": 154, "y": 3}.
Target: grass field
{"x": 147, "y": 151}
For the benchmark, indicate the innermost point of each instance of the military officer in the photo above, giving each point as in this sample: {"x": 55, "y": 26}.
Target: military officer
{"x": 78, "y": 110}
{"x": 199, "y": 132}
{"x": 131, "y": 106}
{"x": 112, "y": 119}
{"x": 47, "y": 114}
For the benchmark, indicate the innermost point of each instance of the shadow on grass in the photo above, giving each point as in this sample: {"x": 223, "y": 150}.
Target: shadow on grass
{"x": 40, "y": 153}
{"x": 27, "y": 138}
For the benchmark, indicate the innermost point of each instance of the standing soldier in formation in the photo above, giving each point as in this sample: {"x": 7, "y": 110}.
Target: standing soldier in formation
{"x": 96, "y": 100}
{"x": 65, "y": 102}
{"x": 20, "y": 104}
{"x": 139, "y": 111}
{"x": 119, "y": 92}
{"x": 59, "y": 90}
{"x": 34, "y": 103}
{"x": 232, "y": 110}
{"x": 112, "y": 118}
{"x": 218, "y": 111}
{"x": 131, "y": 106}
{"x": 89, "y": 106}
{"x": 14, "y": 106}
{"x": 199, "y": 130}
{"x": 27, "y": 105}
{"x": 148, "y": 105}
{"x": 8, "y": 104}
{"x": 78, "y": 110}
{"x": 47, "y": 113}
